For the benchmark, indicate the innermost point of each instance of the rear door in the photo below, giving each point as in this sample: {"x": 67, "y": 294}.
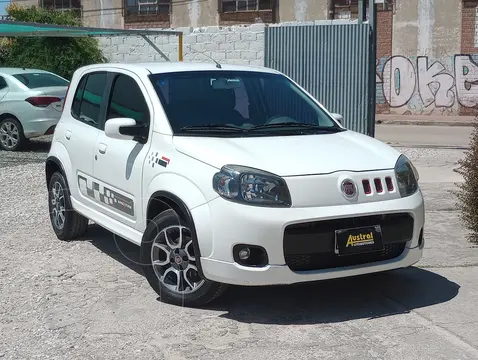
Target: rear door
{"x": 81, "y": 130}
{"x": 3, "y": 88}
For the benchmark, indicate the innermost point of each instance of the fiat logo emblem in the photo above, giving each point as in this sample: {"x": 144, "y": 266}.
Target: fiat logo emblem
{"x": 177, "y": 259}
{"x": 348, "y": 188}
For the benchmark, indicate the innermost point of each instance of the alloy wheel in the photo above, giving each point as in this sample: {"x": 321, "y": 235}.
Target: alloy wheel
{"x": 173, "y": 260}
{"x": 58, "y": 205}
{"x": 9, "y": 135}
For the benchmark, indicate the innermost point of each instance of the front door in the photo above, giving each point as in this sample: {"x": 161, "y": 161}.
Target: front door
{"x": 118, "y": 167}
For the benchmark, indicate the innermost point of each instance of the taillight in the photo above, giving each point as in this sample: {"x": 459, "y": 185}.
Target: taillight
{"x": 42, "y": 101}
{"x": 64, "y": 99}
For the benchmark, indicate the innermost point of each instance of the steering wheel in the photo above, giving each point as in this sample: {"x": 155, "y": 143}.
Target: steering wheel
{"x": 279, "y": 119}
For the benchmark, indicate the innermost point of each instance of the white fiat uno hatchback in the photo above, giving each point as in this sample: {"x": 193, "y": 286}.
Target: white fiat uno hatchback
{"x": 227, "y": 174}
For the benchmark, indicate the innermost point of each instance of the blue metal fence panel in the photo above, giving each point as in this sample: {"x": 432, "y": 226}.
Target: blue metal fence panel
{"x": 329, "y": 61}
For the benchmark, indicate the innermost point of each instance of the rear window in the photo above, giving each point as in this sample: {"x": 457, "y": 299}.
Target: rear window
{"x": 37, "y": 80}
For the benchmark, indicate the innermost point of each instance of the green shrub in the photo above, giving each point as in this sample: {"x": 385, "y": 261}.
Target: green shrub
{"x": 468, "y": 190}
{"x": 56, "y": 54}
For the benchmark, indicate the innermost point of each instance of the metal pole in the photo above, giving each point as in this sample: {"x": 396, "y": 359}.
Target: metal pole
{"x": 180, "y": 47}
{"x": 372, "y": 19}
{"x": 360, "y": 11}
{"x": 155, "y": 47}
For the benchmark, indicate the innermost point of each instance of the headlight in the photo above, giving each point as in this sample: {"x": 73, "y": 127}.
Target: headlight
{"x": 251, "y": 186}
{"x": 407, "y": 176}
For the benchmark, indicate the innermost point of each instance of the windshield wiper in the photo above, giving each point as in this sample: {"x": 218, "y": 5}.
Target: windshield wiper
{"x": 207, "y": 127}
{"x": 291, "y": 124}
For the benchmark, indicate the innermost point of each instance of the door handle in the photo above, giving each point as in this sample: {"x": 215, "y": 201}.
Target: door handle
{"x": 67, "y": 134}
{"x": 102, "y": 148}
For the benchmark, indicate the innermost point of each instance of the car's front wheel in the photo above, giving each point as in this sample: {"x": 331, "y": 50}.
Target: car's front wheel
{"x": 11, "y": 135}
{"x": 170, "y": 264}
{"x": 66, "y": 222}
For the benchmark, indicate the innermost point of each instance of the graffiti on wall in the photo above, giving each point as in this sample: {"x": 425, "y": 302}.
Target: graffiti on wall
{"x": 420, "y": 85}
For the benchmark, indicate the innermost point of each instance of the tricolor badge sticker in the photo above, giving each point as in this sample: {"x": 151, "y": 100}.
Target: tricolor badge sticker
{"x": 164, "y": 161}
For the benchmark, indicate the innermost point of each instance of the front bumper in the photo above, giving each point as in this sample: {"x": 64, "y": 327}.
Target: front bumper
{"x": 221, "y": 224}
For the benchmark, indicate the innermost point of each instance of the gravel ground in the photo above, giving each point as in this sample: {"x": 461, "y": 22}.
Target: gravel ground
{"x": 87, "y": 299}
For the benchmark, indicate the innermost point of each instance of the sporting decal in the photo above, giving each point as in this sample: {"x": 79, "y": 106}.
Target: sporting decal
{"x": 154, "y": 159}
{"x": 106, "y": 196}
{"x": 164, "y": 161}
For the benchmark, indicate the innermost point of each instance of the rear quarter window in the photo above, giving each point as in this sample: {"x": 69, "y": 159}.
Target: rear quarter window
{"x": 37, "y": 80}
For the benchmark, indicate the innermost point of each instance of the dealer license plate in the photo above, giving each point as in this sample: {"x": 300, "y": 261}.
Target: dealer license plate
{"x": 358, "y": 240}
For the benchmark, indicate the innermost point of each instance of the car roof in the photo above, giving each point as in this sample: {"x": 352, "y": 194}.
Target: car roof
{"x": 13, "y": 70}
{"x": 179, "y": 66}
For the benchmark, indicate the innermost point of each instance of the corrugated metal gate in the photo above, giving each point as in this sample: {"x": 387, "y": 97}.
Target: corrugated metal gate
{"x": 329, "y": 61}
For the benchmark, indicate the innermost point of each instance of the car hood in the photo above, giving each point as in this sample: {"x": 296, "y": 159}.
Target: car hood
{"x": 293, "y": 155}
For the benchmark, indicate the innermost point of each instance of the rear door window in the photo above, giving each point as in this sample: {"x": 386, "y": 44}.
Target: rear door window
{"x": 88, "y": 97}
{"x": 38, "y": 80}
{"x": 3, "y": 83}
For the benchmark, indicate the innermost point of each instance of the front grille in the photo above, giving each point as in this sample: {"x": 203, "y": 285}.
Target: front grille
{"x": 330, "y": 260}
{"x": 378, "y": 185}
{"x": 310, "y": 246}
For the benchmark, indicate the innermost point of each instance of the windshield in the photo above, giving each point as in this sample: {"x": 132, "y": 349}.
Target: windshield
{"x": 37, "y": 80}
{"x": 238, "y": 103}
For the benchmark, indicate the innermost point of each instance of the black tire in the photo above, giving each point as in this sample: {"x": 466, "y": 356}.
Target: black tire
{"x": 21, "y": 140}
{"x": 206, "y": 293}
{"x": 74, "y": 224}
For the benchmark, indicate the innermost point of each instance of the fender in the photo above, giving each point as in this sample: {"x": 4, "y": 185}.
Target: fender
{"x": 59, "y": 155}
{"x": 187, "y": 196}
{"x": 179, "y": 186}
{"x": 53, "y": 159}
{"x": 7, "y": 113}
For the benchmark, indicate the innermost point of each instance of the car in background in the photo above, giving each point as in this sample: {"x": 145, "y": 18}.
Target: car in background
{"x": 31, "y": 102}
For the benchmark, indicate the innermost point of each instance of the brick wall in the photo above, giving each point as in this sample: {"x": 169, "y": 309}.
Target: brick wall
{"x": 238, "y": 44}
{"x": 229, "y": 44}
{"x": 469, "y": 37}
{"x": 384, "y": 51}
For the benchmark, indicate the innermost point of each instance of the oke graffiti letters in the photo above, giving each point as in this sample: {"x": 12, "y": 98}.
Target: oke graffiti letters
{"x": 431, "y": 83}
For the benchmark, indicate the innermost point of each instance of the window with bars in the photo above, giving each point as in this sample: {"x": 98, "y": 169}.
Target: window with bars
{"x": 62, "y": 5}
{"x": 232, "y": 6}
{"x": 147, "y": 10}
{"x": 348, "y": 9}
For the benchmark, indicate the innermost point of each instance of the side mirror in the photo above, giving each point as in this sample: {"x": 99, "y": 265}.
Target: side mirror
{"x": 126, "y": 129}
{"x": 338, "y": 117}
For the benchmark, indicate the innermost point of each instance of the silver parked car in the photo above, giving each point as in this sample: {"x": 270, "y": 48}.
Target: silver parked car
{"x": 31, "y": 102}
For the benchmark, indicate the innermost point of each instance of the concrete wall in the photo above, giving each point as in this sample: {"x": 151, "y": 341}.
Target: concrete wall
{"x": 422, "y": 74}
{"x": 194, "y": 13}
{"x": 302, "y": 10}
{"x": 426, "y": 85}
{"x": 103, "y": 13}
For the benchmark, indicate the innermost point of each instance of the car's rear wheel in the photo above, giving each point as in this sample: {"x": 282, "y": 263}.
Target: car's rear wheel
{"x": 66, "y": 222}
{"x": 11, "y": 135}
{"x": 170, "y": 263}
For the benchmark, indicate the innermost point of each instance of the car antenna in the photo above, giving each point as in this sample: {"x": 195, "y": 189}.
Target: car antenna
{"x": 217, "y": 64}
